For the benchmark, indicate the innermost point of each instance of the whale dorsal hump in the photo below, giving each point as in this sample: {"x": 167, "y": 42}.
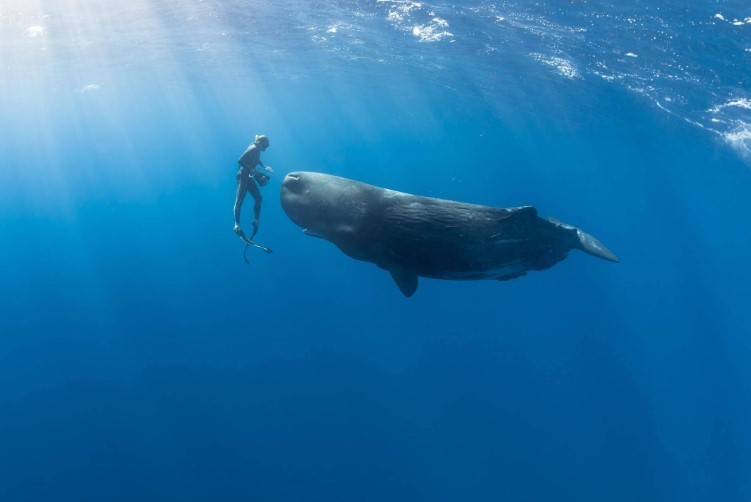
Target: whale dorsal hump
{"x": 405, "y": 279}
{"x": 522, "y": 212}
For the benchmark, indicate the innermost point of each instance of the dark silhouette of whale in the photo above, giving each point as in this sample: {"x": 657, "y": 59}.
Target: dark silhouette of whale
{"x": 413, "y": 236}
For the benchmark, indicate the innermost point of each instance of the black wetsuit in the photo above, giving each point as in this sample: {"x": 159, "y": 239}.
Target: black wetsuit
{"x": 246, "y": 177}
{"x": 248, "y": 161}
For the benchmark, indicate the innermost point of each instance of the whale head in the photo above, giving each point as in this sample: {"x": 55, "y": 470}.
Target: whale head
{"x": 323, "y": 205}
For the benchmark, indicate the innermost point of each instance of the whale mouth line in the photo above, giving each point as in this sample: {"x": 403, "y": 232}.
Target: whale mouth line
{"x": 312, "y": 233}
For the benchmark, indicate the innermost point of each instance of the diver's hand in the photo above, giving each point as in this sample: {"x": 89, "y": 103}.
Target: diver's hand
{"x": 268, "y": 169}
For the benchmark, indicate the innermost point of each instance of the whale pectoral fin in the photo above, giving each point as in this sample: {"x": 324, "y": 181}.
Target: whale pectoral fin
{"x": 406, "y": 280}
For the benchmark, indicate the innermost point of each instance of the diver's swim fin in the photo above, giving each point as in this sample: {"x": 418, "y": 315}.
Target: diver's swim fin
{"x": 253, "y": 244}
{"x": 250, "y": 243}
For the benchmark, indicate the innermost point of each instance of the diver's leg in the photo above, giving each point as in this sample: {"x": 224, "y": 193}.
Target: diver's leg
{"x": 242, "y": 188}
{"x": 256, "y": 193}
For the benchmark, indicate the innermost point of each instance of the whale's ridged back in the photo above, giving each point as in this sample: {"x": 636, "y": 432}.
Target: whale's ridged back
{"x": 440, "y": 237}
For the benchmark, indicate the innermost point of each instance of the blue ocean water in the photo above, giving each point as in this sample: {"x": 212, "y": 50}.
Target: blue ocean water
{"x": 141, "y": 358}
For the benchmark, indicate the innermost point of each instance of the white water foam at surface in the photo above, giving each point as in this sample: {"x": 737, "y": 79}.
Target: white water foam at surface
{"x": 740, "y": 139}
{"x": 417, "y": 19}
{"x": 88, "y": 88}
{"x": 36, "y": 31}
{"x": 562, "y": 66}
{"x": 744, "y": 103}
{"x": 434, "y": 31}
{"x": 735, "y": 21}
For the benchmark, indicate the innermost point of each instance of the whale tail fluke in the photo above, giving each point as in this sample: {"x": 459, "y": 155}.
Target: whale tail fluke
{"x": 586, "y": 242}
{"x": 590, "y": 245}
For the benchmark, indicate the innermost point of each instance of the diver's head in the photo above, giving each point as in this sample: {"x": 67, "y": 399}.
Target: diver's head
{"x": 262, "y": 141}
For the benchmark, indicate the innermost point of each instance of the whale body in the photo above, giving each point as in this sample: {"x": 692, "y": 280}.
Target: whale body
{"x": 412, "y": 236}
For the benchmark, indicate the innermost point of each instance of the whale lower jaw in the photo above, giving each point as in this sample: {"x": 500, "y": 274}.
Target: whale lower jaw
{"x": 511, "y": 271}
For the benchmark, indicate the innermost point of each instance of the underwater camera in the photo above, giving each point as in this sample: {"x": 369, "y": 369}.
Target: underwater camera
{"x": 260, "y": 178}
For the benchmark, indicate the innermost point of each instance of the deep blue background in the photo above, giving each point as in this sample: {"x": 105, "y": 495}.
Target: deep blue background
{"x": 140, "y": 358}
